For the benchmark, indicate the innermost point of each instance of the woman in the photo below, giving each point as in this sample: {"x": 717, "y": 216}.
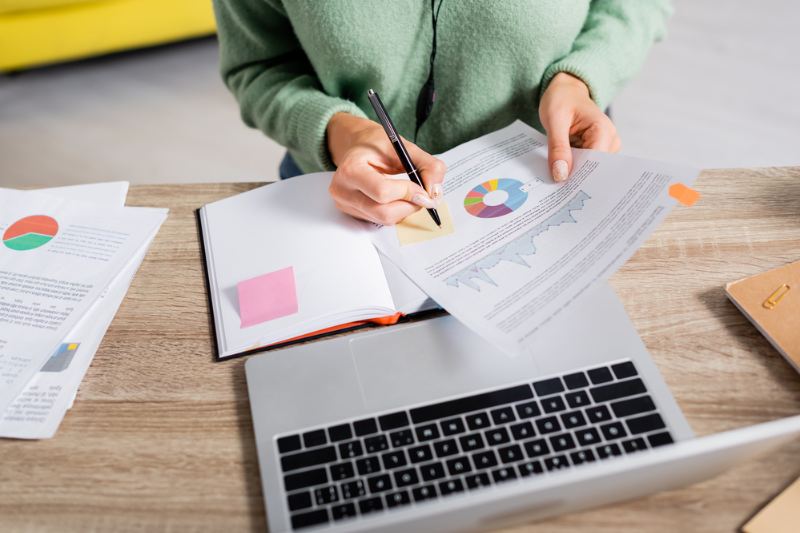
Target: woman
{"x": 300, "y": 70}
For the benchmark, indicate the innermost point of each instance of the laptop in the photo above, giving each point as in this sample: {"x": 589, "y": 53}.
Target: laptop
{"x": 428, "y": 427}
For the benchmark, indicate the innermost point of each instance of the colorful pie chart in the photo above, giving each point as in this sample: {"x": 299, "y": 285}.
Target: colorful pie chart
{"x": 475, "y": 205}
{"x": 30, "y": 232}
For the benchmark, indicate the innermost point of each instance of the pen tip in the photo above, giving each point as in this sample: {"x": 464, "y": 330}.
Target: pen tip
{"x": 440, "y": 226}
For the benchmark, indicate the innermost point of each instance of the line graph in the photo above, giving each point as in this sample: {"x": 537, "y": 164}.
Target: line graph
{"x": 515, "y": 249}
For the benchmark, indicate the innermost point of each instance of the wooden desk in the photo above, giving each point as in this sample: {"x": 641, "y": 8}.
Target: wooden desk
{"x": 160, "y": 437}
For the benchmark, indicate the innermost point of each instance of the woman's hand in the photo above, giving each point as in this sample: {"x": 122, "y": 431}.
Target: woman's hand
{"x": 570, "y": 117}
{"x": 362, "y": 185}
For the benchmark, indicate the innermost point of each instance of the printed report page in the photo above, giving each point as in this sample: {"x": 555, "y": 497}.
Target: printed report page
{"x": 56, "y": 257}
{"x": 525, "y": 248}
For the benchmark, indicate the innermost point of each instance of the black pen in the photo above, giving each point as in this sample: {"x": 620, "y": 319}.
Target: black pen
{"x": 399, "y": 147}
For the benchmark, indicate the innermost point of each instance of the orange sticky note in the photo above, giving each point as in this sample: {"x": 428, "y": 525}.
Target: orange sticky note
{"x": 267, "y": 297}
{"x": 684, "y": 194}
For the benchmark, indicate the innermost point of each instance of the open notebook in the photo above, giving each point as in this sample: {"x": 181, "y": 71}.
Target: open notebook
{"x": 317, "y": 270}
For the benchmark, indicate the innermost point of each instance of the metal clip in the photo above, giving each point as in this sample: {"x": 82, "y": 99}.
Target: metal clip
{"x": 774, "y": 298}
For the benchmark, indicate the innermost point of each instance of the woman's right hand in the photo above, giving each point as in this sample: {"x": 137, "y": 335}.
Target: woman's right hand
{"x": 362, "y": 185}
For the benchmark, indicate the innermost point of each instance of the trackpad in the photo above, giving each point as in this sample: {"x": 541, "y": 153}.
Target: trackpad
{"x": 430, "y": 360}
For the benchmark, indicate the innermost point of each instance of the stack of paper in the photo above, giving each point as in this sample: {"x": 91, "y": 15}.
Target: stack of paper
{"x": 67, "y": 258}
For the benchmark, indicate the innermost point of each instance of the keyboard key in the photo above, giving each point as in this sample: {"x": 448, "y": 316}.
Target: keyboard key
{"x": 346, "y": 510}
{"x": 394, "y": 460}
{"x": 458, "y": 466}
{"x": 582, "y": 456}
{"x": 528, "y": 410}
{"x": 299, "y": 521}
{"x": 348, "y": 450}
{"x": 446, "y": 448}
{"x": 426, "y": 433}
{"x": 379, "y": 483}
{"x": 598, "y": 414}
{"x": 477, "y": 481}
{"x": 576, "y": 381}
{"x": 578, "y": 399}
{"x": 401, "y": 438}
{"x": 608, "y": 450}
{"x": 556, "y": 463}
{"x": 523, "y": 431}
{"x": 337, "y": 433}
{"x": 368, "y": 465}
{"x": 497, "y": 436}
{"x": 536, "y": 448}
{"x": 451, "y": 487}
{"x": 370, "y": 505}
{"x": 504, "y": 474}
{"x": 376, "y": 444}
{"x": 365, "y": 427}
{"x": 453, "y": 426}
{"x": 613, "y": 431}
{"x": 562, "y": 442}
{"x": 393, "y": 421}
{"x": 427, "y": 492}
{"x": 554, "y": 404}
{"x": 587, "y": 437}
{"x": 530, "y": 468}
{"x": 305, "y": 459}
{"x": 404, "y": 478}
{"x": 503, "y": 415}
{"x": 420, "y": 453}
{"x": 573, "y": 419}
{"x": 646, "y": 423}
{"x": 471, "y": 442}
{"x": 289, "y": 444}
{"x": 326, "y": 495}
{"x": 342, "y": 471}
{"x": 634, "y": 445}
{"x": 548, "y": 425}
{"x": 485, "y": 459}
{"x": 477, "y": 402}
{"x": 315, "y": 438}
{"x": 600, "y": 375}
{"x": 660, "y": 439}
{"x": 548, "y": 387}
{"x": 432, "y": 471}
{"x": 353, "y": 489}
{"x": 478, "y": 421}
{"x": 397, "y": 499}
{"x": 624, "y": 370}
{"x": 633, "y": 406}
{"x": 510, "y": 454}
{"x": 621, "y": 389}
{"x": 302, "y": 480}
{"x": 301, "y": 500}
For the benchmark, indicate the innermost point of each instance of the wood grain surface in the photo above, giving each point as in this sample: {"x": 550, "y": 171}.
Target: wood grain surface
{"x": 160, "y": 437}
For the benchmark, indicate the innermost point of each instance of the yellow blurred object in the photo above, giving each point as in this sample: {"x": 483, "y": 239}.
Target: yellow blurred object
{"x": 38, "y": 32}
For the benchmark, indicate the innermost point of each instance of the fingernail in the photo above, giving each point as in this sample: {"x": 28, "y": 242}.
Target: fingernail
{"x": 423, "y": 200}
{"x": 437, "y": 193}
{"x": 560, "y": 170}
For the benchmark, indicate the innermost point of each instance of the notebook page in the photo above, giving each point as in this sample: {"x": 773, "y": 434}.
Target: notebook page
{"x": 293, "y": 223}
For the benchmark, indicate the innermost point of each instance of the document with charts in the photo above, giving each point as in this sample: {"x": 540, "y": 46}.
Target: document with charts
{"x": 525, "y": 248}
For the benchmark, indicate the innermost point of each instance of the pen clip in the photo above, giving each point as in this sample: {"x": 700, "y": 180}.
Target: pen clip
{"x": 384, "y": 119}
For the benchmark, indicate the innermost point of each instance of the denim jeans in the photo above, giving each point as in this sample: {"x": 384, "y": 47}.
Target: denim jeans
{"x": 288, "y": 168}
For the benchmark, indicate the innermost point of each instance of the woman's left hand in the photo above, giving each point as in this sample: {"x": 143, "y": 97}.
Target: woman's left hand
{"x": 571, "y": 118}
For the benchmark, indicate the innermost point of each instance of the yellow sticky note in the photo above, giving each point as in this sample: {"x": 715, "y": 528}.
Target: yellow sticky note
{"x": 420, "y": 227}
{"x": 781, "y": 515}
{"x": 72, "y": 346}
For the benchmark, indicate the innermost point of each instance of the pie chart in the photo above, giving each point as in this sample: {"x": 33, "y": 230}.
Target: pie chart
{"x": 30, "y": 232}
{"x": 477, "y": 203}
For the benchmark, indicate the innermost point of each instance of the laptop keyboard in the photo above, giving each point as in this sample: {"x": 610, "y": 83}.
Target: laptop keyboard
{"x": 376, "y": 465}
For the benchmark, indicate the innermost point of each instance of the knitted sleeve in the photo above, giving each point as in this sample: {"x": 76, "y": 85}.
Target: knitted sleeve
{"x": 612, "y": 45}
{"x": 264, "y": 66}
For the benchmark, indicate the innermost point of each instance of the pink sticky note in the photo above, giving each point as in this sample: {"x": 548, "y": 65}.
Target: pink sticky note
{"x": 267, "y": 297}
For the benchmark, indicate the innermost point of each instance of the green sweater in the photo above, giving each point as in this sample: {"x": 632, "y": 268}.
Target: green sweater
{"x": 292, "y": 64}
